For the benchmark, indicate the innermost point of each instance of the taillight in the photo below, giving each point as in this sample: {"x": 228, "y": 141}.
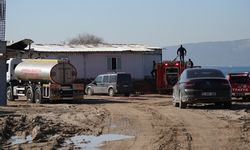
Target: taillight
{"x": 225, "y": 83}
{"x": 166, "y": 64}
{"x": 189, "y": 84}
{"x": 177, "y": 64}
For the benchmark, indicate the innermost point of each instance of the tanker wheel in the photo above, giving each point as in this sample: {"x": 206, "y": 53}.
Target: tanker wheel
{"x": 38, "y": 96}
{"x": 9, "y": 94}
{"x": 111, "y": 92}
{"x": 30, "y": 95}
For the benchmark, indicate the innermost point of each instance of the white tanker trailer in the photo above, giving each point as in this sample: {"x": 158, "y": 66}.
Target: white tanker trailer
{"x": 42, "y": 79}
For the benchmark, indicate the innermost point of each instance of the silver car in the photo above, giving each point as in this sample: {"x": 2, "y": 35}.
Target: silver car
{"x": 111, "y": 84}
{"x": 201, "y": 85}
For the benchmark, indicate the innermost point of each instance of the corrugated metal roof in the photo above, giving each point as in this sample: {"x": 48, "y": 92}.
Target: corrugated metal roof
{"x": 91, "y": 48}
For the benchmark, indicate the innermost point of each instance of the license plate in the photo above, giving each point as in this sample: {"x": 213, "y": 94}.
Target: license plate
{"x": 208, "y": 93}
{"x": 125, "y": 85}
{"x": 239, "y": 94}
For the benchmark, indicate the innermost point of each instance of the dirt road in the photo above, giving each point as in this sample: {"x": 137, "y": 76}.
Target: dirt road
{"x": 151, "y": 119}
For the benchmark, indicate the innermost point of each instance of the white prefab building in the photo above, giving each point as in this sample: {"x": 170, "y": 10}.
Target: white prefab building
{"x": 93, "y": 60}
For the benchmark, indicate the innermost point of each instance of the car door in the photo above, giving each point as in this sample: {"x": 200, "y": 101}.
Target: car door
{"x": 98, "y": 84}
{"x": 105, "y": 85}
{"x": 179, "y": 85}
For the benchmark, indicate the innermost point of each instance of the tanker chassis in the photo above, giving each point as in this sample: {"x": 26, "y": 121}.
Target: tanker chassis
{"x": 40, "y": 80}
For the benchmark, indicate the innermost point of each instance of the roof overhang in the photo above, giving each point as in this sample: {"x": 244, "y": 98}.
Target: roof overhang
{"x": 18, "y": 48}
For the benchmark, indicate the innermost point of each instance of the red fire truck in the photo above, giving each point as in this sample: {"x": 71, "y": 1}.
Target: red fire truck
{"x": 167, "y": 74}
{"x": 240, "y": 83}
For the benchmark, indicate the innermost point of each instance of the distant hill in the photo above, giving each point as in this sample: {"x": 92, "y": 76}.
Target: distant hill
{"x": 226, "y": 53}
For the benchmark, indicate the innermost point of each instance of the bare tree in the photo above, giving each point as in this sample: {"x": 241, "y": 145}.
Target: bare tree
{"x": 83, "y": 39}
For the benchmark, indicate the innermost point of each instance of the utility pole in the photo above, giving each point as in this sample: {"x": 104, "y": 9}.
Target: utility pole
{"x": 3, "y": 73}
{"x": 2, "y": 53}
{"x": 2, "y": 19}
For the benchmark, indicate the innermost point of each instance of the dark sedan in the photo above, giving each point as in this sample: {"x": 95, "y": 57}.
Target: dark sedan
{"x": 201, "y": 85}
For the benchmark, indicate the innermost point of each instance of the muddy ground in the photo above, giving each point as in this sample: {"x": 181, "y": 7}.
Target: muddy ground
{"x": 150, "y": 119}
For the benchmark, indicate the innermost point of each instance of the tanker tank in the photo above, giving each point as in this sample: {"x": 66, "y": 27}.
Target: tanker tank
{"x": 47, "y": 70}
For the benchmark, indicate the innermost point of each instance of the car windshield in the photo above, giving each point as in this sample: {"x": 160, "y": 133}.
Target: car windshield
{"x": 199, "y": 73}
{"x": 239, "y": 79}
{"x": 172, "y": 70}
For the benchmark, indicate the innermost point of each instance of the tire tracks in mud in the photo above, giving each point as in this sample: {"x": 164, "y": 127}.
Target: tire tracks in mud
{"x": 152, "y": 120}
{"x": 238, "y": 123}
{"x": 169, "y": 136}
{"x": 152, "y": 128}
{"x": 204, "y": 130}
{"x": 205, "y": 127}
{"x": 195, "y": 128}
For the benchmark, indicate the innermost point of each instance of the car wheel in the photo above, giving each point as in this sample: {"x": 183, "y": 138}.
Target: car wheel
{"x": 228, "y": 105}
{"x": 30, "y": 95}
{"x": 174, "y": 103}
{"x": 89, "y": 92}
{"x": 217, "y": 104}
{"x": 111, "y": 92}
{"x": 182, "y": 105}
{"x": 127, "y": 94}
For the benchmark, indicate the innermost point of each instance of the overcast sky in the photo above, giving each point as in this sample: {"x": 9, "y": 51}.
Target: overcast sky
{"x": 153, "y": 22}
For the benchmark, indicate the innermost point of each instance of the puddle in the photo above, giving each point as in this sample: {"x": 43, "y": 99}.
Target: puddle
{"x": 93, "y": 142}
{"x": 20, "y": 139}
{"x": 79, "y": 141}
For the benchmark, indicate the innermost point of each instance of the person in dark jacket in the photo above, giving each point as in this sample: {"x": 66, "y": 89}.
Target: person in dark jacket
{"x": 190, "y": 63}
{"x": 153, "y": 72}
{"x": 181, "y": 52}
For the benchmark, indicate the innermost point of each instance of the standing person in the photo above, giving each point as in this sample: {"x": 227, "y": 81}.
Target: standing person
{"x": 153, "y": 72}
{"x": 190, "y": 63}
{"x": 181, "y": 52}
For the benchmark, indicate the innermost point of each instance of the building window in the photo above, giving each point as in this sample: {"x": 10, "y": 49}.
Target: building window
{"x": 114, "y": 63}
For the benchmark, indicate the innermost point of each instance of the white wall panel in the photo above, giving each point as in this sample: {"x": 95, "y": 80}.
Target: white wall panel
{"x": 89, "y": 65}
